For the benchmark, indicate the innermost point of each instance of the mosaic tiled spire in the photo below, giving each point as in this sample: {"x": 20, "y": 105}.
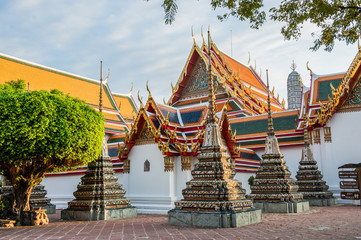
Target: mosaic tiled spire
{"x": 309, "y": 178}
{"x": 99, "y": 192}
{"x": 213, "y": 187}
{"x": 273, "y": 182}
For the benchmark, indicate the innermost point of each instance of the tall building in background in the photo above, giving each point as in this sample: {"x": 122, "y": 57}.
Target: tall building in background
{"x": 294, "y": 89}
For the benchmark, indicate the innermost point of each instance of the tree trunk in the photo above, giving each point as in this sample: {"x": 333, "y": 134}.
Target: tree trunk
{"x": 22, "y": 192}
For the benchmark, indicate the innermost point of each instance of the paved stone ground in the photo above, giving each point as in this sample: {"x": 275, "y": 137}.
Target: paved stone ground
{"x": 338, "y": 222}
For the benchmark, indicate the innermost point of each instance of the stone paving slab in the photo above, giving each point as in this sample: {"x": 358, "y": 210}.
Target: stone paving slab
{"x": 336, "y": 222}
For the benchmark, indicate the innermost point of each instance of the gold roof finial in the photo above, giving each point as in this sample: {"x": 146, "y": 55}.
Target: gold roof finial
{"x": 107, "y": 77}
{"x": 171, "y": 84}
{"x": 194, "y": 40}
{"x": 226, "y": 104}
{"x": 308, "y": 68}
{"x": 140, "y": 100}
{"x": 249, "y": 58}
{"x": 270, "y": 120}
{"x": 204, "y": 42}
{"x": 131, "y": 88}
{"x": 255, "y": 65}
{"x": 150, "y": 95}
{"x": 300, "y": 80}
{"x": 293, "y": 65}
{"x": 165, "y": 103}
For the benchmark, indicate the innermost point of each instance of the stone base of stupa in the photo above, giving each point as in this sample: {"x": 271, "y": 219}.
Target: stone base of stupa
{"x": 322, "y": 202}
{"x": 50, "y": 208}
{"x": 95, "y": 215}
{"x": 214, "y": 219}
{"x": 282, "y": 207}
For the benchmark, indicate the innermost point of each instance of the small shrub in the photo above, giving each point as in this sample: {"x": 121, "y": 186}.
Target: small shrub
{"x": 250, "y": 180}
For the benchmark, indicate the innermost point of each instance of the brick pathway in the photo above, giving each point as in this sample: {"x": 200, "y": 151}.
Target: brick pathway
{"x": 339, "y": 222}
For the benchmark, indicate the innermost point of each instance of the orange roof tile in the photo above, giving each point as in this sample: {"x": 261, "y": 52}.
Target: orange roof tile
{"x": 245, "y": 73}
{"x": 41, "y": 77}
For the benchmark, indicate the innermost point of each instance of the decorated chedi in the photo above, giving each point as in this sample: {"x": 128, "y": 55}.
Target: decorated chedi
{"x": 273, "y": 190}
{"x": 37, "y": 198}
{"x": 213, "y": 199}
{"x": 99, "y": 196}
{"x": 309, "y": 178}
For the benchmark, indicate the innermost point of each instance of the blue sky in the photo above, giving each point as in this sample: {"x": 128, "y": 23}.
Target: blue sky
{"x": 135, "y": 44}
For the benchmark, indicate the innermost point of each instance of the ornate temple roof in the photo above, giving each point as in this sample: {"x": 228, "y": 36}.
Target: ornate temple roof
{"x": 331, "y": 93}
{"x": 42, "y": 77}
{"x": 178, "y": 126}
{"x": 232, "y": 79}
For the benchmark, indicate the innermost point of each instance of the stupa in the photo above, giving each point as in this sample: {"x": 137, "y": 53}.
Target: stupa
{"x": 99, "y": 196}
{"x": 213, "y": 199}
{"x": 37, "y": 198}
{"x": 309, "y": 178}
{"x": 273, "y": 190}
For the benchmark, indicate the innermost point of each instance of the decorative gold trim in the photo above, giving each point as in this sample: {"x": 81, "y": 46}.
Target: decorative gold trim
{"x": 309, "y": 134}
{"x": 168, "y": 163}
{"x": 329, "y": 107}
{"x": 126, "y": 166}
{"x": 350, "y": 108}
{"x": 327, "y": 133}
{"x": 186, "y": 163}
{"x": 316, "y": 136}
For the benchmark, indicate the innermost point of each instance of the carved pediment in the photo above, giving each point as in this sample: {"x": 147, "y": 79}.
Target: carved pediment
{"x": 197, "y": 83}
{"x": 353, "y": 101}
{"x": 145, "y": 136}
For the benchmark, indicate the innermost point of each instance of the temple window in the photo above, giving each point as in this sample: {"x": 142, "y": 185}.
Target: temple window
{"x": 146, "y": 166}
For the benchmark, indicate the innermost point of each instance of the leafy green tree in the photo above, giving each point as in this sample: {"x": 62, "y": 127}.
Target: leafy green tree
{"x": 335, "y": 19}
{"x": 14, "y": 86}
{"x": 42, "y": 132}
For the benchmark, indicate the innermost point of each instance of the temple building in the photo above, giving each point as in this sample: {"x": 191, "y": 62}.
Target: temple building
{"x": 119, "y": 110}
{"x": 154, "y": 148}
{"x": 165, "y": 140}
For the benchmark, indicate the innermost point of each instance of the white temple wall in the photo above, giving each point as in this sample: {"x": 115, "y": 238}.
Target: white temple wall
{"x": 153, "y": 191}
{"x": 292, "y": 156}
{"x": 182, "y": 176}
{"x": 60, "y": 189}
{"x": 243, "y": 178}
{"x": 344, "y": 148}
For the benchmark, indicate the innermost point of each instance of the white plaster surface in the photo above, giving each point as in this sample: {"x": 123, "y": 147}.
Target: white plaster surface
{"x": 153, "y": 191}
{"x": 60, "y": 189}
